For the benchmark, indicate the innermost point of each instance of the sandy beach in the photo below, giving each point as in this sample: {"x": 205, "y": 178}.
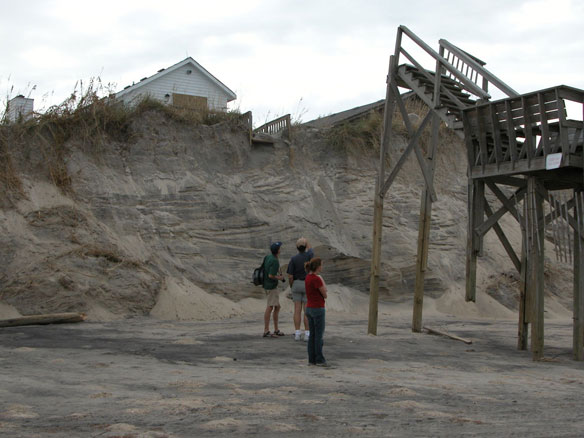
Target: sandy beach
{"x": 147, "y": 377}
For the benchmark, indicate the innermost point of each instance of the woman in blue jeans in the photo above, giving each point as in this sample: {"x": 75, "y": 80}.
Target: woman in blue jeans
{"x": 315, "y": 296}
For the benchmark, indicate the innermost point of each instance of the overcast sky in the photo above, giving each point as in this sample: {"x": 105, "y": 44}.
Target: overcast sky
{"x": 309, "y": 58}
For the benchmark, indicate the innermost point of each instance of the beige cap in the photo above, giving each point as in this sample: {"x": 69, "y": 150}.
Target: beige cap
{"x": 301, "y": 242}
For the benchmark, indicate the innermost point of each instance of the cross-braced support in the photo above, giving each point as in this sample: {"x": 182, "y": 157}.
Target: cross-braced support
{"x": 525, "y": 143}
{"x": 526, "y": 204}
{"x": 393, "y": 99}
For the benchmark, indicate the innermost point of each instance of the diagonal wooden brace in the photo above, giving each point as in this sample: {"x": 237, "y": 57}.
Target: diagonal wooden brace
{"x": 507, "y": 203}
{"x": 413, "y": 145}
{"x": 503, "y": 238}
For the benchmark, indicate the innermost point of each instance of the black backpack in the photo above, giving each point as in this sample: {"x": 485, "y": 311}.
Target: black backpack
{"x": 258, "y": 275}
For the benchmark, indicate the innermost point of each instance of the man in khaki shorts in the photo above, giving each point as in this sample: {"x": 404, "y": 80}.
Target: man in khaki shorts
{"x": 271, "y": 276}
{"x": 296, "y": 275}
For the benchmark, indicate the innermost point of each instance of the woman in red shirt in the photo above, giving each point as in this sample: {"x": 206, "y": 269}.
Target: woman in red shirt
{"x": 315, "y": 296}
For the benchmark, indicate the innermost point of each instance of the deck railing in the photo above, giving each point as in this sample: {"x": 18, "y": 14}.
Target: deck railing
{"x": 473, "y": 68}
{"x": 519, "y": 133}
{"x": 275, "y": 126}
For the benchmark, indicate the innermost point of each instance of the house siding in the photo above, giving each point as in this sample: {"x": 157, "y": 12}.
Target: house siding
{"x": 180, "y": 82}
{"x": 19, "y": 106}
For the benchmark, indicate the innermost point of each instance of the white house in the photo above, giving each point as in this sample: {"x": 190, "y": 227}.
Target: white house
{"x": 19, "y": 107}
{"x": 185, "y": 84}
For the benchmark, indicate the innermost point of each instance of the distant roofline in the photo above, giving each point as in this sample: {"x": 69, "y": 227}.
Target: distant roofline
{"x": 176, "y": 66}
{"x": 350, "y": 114}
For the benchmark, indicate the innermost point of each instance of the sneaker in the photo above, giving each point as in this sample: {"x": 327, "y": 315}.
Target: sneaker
{"x": 297, "y": 336}
{"x": 306, "y": 337}
{"x": 323, "y": 364}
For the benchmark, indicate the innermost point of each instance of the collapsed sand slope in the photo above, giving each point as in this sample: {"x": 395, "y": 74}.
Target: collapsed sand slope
{"x": 181, "y": 300}
{"x": 59, "y": 258}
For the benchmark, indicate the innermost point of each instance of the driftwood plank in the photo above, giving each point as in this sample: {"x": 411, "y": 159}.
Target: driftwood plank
{"x": 52, "y": 318}
{"x": 448, "y": 335}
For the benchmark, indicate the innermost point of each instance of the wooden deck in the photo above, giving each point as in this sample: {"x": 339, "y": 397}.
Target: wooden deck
{"x": 525, "y": 134}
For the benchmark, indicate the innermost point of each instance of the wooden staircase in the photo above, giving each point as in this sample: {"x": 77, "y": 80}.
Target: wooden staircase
{"x": 266, "y": 134}
{"x": 521, "y": 148}
{"x": 453, "y": 99}
{"x": 463, "y": 81}
{"x": 508, "y": 136}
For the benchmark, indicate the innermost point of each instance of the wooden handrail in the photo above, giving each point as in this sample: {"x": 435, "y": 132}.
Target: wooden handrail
{"x": 275, "y": 126}
{"x": 470, "y": 85}
{"x": 472, "y": 61}
{"x": 469, "y": 62}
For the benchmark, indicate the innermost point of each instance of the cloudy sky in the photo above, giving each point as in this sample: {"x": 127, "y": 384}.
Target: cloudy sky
{"x": 308, "y": 58}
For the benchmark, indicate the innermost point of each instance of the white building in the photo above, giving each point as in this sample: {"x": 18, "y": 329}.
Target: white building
{"x": 19, "y": 107}
{"x": 185, "y": 84}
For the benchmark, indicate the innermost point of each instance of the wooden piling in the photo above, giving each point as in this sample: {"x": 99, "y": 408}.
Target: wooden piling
{"x": 424, "y": 233}
{"x": 476, "y": 214}
{"x": 535, "y": 266}
{"x": 578, "y": 311}
{"x": 522, "y": 331}
{"x": 390, "y": 99}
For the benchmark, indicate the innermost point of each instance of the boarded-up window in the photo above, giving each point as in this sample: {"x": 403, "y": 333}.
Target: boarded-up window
{"x": 187, "y": 101}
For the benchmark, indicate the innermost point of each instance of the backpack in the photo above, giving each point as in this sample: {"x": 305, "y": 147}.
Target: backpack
{"x": 258, "y": 275}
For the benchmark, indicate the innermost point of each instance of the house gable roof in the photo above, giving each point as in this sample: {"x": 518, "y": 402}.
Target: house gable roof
{"x": 186, "y": 61}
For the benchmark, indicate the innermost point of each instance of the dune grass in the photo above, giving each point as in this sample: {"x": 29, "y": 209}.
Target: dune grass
{"x": 364, "y": 134}
{"x": 87, "y": 119}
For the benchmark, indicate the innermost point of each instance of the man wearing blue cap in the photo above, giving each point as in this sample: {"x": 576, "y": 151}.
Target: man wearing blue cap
{"x": 271, "y": 276}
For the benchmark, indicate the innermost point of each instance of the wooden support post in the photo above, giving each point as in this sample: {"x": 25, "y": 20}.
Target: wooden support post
{"x": 428, "y": 196}
{"x": 522, "y": 331}
{"x": 476, "y": 214}
{"x": 535, "y": 266}
{"x": 375, "y": 265}
{"x": 424, "y": 233}
{"x": 578, "y": 334}
{"x": 421, "y": 259}
{"x": 390, "y": 99}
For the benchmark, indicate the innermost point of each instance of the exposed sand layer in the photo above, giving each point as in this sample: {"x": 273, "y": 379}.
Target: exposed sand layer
{"x": 172, "y": 223}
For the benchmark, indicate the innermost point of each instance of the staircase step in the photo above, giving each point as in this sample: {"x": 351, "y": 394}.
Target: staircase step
{"x": 446, "y": 80}
{"x": 456, "y": 91}
{"x": 428, "y": 88}
{"x": 449, "y": 112}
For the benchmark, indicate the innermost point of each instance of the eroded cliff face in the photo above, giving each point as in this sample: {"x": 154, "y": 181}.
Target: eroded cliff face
{"x": 198, "y": 204}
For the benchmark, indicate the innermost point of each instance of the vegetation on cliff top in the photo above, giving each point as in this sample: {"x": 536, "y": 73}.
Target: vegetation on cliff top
{"x": 87, "y": 119}
{"x": 364, "y": 134}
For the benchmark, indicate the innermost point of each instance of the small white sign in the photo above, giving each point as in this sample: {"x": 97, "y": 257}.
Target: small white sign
{"x": 553, "y": 161}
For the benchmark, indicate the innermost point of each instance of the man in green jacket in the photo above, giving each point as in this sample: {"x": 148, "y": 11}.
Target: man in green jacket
{"x": 271, "y": 276}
